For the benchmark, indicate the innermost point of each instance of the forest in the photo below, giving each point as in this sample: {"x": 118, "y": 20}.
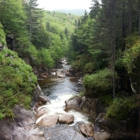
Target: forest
{"x": 106, "y": 46}
{"x": 102, "y": 46}
{"x": 38, "y": 37}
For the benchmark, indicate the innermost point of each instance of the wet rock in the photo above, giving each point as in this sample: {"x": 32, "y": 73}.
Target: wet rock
{"x": 87, "y": 129}
{"x": 64, "y": 132}
{"x": 42, "y": 98}
{"x": 53, "y": 70}
{"x": 73, "y": 104}
{"x": 48, "y": 121}
{"x": 68, "y": 74}
{"x": 73, "y": 79}
{"x": 67, "y": 119}
{"x": 40, "y": 112}
{"x": 89, "y": 106}
{"x": 61, "y": 76}
{"x": 39, "y": 98}
{"x": 44, "y": 75}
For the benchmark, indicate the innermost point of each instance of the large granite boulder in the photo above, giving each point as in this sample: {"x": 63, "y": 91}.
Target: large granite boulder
{"x": 73, "y": 104}
{"x": 48, "y": 121}
{"x": 90, "y": 106}
{"x": 67, "y": 119}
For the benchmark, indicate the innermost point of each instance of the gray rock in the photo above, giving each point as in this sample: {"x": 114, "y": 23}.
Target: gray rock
{"x": 64, "y": 132}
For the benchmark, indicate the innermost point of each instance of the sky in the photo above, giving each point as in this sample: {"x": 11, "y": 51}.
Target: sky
{"x": 64, "y": 4}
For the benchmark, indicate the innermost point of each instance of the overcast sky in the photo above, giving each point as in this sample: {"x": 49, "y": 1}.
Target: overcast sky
{"x": 64, "y": 4}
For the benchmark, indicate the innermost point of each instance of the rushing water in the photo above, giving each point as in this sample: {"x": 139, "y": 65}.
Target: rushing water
{"x": 58, "y": 90}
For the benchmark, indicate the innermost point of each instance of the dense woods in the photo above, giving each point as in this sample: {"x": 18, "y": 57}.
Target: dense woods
{"x": 105, "y": 45}
{"x": 39, "y": 37}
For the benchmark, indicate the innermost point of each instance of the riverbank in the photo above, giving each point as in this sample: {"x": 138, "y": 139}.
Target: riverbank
{"x": 24, "y": 125}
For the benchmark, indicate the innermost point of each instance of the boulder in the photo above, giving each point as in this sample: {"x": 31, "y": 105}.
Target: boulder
{"x": 67, "y": 119}
{"x": 64, "y": 132}
{"x": 87, "y": 129}
{"x": 103, "y": 135}
{"x": 44, "y": 75}
{"x": 89, "y": 106}
{"x": 48, "y": 121}
{"x": 73, "y": 79}
{"x": 53, "y": 70}
{"x": 68, "y": 74}
{"x": 38, "y": 92}
{"x": 40, "y": 112}
{"x": 42, "y": 98}
{"x": 61, "y": 76}
{"x": 73, "y": 104}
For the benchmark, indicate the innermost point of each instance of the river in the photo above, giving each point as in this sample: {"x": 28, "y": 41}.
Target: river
{"x": 58, "y": 90}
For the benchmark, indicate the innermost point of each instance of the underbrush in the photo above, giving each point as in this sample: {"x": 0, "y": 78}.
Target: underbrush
{"x": 100, "y": 81}
{"x": 121, "y": 108}
{"x": 17, "y": 81}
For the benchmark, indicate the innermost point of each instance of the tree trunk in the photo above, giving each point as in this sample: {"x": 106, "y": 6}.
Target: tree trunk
{"x": 130, "y": 18}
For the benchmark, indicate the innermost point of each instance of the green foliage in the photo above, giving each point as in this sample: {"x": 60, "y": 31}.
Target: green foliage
{"x": 81, "y": 63}
{"x": 100, "y": 81}
{"x": 33, "y": 54}
{"x": 17, "y": 81}
{"x": 132, "y": 53}
{"x": 46, "y": 58}
{"x": 88, "y": 68}
{"x": 2, "y": 35}
{"x": 106, "y": 99}
{"x": 121, "y": 108}
{"x": 13, "y": 17}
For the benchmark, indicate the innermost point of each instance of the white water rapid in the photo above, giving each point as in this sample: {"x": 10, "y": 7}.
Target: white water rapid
{"x": 58, "y": 90}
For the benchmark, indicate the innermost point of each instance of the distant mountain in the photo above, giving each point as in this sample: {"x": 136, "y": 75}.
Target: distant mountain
{"x": 72, "y": 11}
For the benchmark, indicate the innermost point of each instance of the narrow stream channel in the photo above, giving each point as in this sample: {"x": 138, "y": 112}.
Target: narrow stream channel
{"x": 58, "y": 90}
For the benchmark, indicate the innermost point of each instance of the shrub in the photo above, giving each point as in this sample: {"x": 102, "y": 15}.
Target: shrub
{"x": 16, "y": 80}
{"x": 2, "y": 35}
{"x": 80, "y": 62}
{"x": 100, "y": 81}
{"x": 33, "y": 54}
{"x": 46, "y": 58}
{"x": 132, "y": 53}
{"x": 121, "y": 108}
{"x": 106, "y": 99}
{"x": 88, "y": 68}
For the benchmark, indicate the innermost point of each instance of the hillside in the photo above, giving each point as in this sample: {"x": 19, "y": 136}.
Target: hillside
{"x": 79, "y": 12}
